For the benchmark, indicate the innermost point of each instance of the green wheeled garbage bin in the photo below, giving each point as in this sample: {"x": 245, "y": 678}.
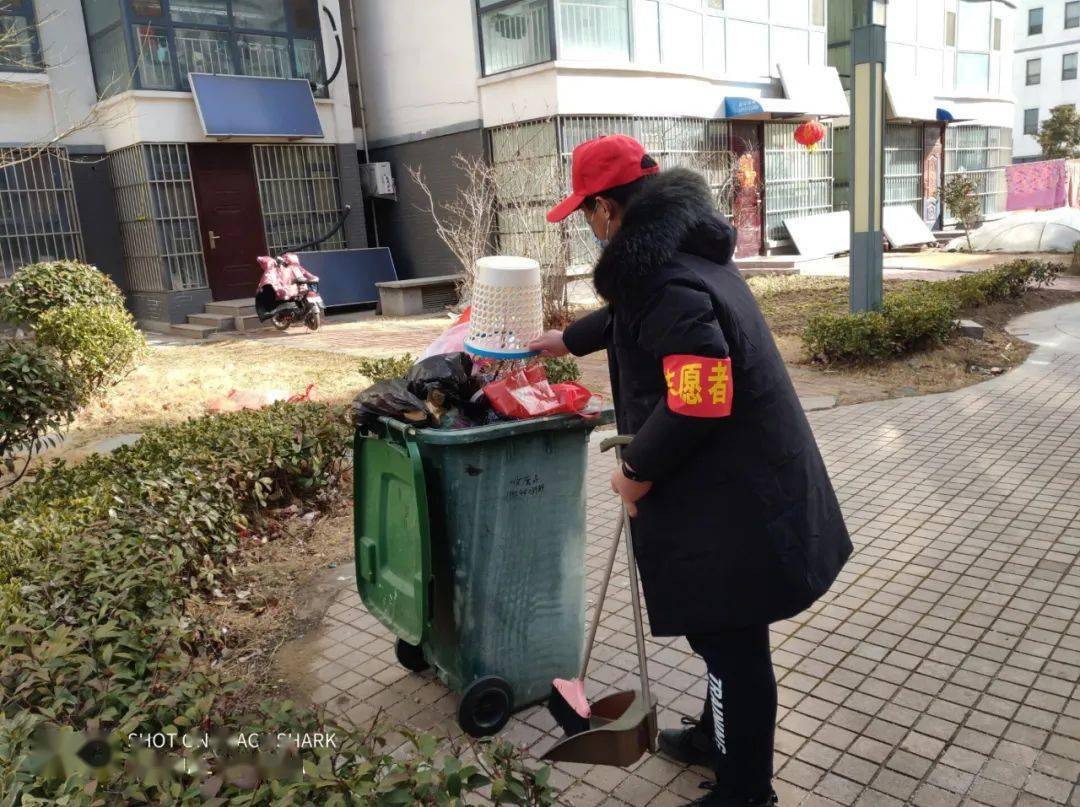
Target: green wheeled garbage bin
{"x": 470, "y": 547}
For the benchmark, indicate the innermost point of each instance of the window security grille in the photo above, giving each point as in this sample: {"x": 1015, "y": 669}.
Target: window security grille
{"x": 299, "y": 195}
{"x": 38, "y": 218}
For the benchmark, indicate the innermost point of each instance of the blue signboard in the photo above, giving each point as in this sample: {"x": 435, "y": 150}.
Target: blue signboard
{"x": 248, "y": 106}
{"x": 348, "y": 276}
{"x": 737, "y": 107}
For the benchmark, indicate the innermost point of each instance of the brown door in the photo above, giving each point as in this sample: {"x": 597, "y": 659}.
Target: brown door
{"x": 749, "y": 180}
{"x": 229, "y": 217}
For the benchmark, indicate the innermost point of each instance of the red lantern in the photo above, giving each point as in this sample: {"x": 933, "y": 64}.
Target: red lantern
{"x": 809, "y": 134}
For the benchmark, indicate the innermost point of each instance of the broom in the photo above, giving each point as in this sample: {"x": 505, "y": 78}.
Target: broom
{"x": 567, "y": 702}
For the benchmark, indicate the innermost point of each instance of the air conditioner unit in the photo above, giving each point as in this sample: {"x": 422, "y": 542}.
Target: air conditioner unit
{"x": 378, "y": 180}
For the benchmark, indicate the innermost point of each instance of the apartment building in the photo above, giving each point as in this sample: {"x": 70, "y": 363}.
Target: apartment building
{"x": 948, "y": 100}
{"x": 700, "y": 82}
{"x": 709, "y": 83}
{"x": 1045, "y": 73}
{"x": 108, "y": 155}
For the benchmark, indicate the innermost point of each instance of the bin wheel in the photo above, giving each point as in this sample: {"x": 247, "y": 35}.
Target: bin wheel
{"x": 410, "y": 656}
{"x": 485, "y": 706}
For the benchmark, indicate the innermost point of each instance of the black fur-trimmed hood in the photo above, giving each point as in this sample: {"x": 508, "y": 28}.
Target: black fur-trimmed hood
{"x": 675, "y": 212}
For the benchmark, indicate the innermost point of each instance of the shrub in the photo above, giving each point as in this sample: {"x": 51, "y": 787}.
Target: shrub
{"x": 386, "y": 368}
{"x": 41, "y": 287}
{"x": 962, "y": 200}
{"x": 37, "y": 399}
{"x": 921, "y": 316}
{"x": 918, "y": 319}
{"x": 561, "y": 369}
{"x": 100, "y": 343}
{"x": 102, "y": 567}
{"x": 848, "y": 337}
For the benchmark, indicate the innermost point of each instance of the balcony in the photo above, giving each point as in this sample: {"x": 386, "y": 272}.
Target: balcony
{"x": 167, "y": 44}
{"x": 519, "y": 33}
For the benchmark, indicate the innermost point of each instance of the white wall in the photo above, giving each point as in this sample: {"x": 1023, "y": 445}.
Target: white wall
{"x": 419, "y": 65}
{"x": 916, "y": 47}
{"x": 35, "y": 108}
{"x": 576, "y": 89}
{"x": 1049, "y": 46}
{"x": 746, "y": 39}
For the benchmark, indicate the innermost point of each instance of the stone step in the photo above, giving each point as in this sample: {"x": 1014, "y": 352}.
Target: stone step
{"x": 250, "y": 322}
{"x": 219, "y": 322}
{"x": 192, "y": 331}
{"x": 235, "y": 308}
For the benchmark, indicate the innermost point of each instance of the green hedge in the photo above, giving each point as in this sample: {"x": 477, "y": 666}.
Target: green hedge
{"x": 100, "y": 344}
{"x": 920, "y": 316}
{"x": 86, "y": 341}
{"x": 100, "y": 565}
{"x": 40, "y": 287}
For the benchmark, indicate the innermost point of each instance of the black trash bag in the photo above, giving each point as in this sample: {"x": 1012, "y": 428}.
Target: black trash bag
{"x": 390, "y": 398}
{"x": 449, "y": 374}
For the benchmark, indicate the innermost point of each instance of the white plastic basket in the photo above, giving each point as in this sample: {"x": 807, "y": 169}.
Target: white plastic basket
{"x": 507, "y": 309}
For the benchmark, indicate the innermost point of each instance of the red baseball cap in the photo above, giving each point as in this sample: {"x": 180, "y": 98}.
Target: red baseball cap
{"x": 601, "y": 164}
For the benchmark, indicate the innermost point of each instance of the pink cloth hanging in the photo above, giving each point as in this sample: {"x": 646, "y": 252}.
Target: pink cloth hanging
{"x": 1036, "y": 185}
{"x": 1072, "y": 169}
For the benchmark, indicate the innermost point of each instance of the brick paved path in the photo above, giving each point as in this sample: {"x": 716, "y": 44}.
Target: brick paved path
{"x": 943, "y": 667}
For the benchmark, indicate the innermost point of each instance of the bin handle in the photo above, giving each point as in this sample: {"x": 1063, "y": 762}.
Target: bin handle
{"x": 369, "y": 558}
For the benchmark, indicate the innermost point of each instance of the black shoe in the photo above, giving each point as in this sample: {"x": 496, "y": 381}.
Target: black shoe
{"x": 716, "y": 797}
{"x": 690, "y": 746}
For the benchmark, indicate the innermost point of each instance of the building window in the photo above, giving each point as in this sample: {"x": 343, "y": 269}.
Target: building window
{"x": 1068, "y": 67}
{"x": 1034, "y": 72}
{"x": 155, "y": 205}
{"x": 1031, "y": 121}
{"x": 38, "y": 217}
{"x": 270, "y": 38}
{"x": 972, "y": 72}
{"x": 904, "y": 166}
{"x": 1035, "y": 21}
{"x": 19, "y": 50}
{"x": 515, "y": 34}
{"x": 797, "y": 182}
{"x": 299, "y": 195}
{"x": 817, "y": 13}
{"x": 980, "y": 152}
{"x": 519, "y": 33}
{"x": 950, "y": 29}
{"x": 594, "y": 30}
{"x": 532, "y": 165}
{"x": 1072, "y": 14}
{"x": 997, "y": 33}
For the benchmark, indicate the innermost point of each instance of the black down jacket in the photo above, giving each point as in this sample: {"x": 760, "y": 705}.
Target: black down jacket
{"x": 742, "y": 525}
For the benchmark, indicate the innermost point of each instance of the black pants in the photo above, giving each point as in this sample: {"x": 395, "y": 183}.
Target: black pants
{"x": 740, "y": 707}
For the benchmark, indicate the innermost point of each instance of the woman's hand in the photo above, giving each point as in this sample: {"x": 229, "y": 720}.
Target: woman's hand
{"x": 550, "y": 344}
{"x": 629, "y": 490}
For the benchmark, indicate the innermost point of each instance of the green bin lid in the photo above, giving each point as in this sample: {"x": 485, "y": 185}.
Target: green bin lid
{"x": 391, "y": 535}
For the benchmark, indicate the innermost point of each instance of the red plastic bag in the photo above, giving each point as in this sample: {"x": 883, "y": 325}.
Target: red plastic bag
{"x": 527, "y": 394}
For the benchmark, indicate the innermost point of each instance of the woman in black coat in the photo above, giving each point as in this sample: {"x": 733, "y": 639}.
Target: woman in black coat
{"x": 734, "y": 519}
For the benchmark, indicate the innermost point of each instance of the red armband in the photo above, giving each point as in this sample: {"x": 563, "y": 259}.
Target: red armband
{"x": 699, "y": 386}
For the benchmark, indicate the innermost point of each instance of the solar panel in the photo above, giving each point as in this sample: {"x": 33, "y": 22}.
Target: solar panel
{"x": 348, "y": 276}
{"x": 249, "y": 106}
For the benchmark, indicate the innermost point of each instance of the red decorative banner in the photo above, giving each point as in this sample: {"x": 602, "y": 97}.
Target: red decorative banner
{"x": 699, "y": 386}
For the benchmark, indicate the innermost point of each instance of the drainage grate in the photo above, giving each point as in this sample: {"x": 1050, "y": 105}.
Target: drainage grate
{"x": 438, "y": 298}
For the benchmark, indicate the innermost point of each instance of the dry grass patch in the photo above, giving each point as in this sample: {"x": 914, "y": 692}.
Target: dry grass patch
{"x": 176, "y": 382}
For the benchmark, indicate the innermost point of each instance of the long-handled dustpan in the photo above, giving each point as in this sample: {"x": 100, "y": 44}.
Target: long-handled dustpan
{"x": 623, "y": 725}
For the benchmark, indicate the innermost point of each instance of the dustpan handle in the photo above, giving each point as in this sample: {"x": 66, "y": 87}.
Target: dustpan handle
{"x": 599, "y": 610}
{"x": 635, "y": 600}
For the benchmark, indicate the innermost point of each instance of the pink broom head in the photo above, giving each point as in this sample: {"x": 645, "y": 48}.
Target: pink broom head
{"x": 573, "y": 692}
